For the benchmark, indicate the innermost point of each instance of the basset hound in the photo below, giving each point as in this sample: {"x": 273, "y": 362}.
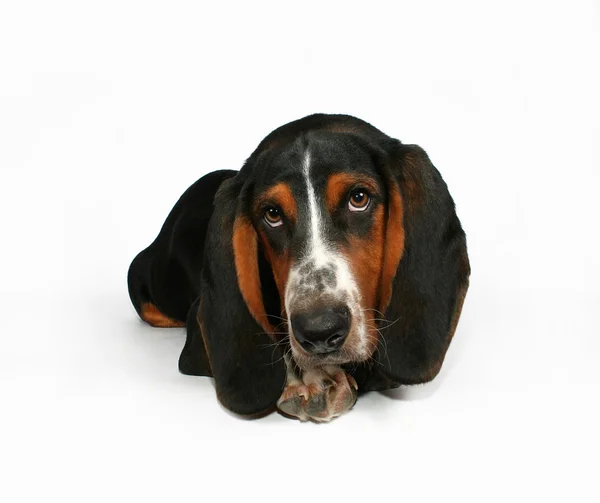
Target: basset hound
{"x": 332, "y": 263}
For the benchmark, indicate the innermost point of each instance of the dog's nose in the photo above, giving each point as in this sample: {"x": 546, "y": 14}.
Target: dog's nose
{"x": 321, "y": 331}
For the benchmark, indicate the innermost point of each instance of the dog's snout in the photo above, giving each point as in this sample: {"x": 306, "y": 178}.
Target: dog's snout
{"x": 321, "y": 331}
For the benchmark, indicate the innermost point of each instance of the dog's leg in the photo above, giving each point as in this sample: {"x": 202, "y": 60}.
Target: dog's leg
{"x": 295, "y": 393}
{"x": 320, "y": 394}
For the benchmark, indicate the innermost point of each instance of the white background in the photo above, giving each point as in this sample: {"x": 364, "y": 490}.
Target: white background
{"x": 110, "y": 110}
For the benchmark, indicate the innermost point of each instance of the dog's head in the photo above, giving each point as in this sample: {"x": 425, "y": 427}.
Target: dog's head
{"x": 329, "y": 234}
{"x": 328, "y": 219}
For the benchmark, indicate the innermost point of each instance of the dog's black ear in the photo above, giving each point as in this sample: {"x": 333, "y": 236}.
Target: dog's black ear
{"x": 426, "y": 269}
{"x": 245, "y": 362}
{"x": 194, "y": 360}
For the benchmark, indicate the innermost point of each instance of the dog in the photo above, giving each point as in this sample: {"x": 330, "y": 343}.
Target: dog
{"x": 332, "y": 262}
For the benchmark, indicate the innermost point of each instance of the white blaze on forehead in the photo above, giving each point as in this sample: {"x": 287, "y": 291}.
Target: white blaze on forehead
{"x": 317, "y": 250}
{"x": 317, "y": 253}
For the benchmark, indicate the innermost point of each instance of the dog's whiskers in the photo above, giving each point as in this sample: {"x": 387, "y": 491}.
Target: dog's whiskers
{"x": 375, "y": 340}
{"x": 390, "y": 323}
{"x": 285, "y": 354}
{"x": 364, "y": 310}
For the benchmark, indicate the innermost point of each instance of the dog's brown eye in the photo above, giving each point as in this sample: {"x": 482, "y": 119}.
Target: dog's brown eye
{"x": 273, "y": 217}
{"x": 359, "y": 200}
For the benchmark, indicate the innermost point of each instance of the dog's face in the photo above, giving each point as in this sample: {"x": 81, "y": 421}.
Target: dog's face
{"x": 319, "y": 208}
{"x": 329, "y": 228}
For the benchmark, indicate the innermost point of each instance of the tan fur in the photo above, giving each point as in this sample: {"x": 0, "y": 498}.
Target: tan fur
{"x": 245, "y": 250}
{"x": 394, "y": 245}
{"x": 365, "y": 256}
{"x": 280, "y": 265}
{"x": 151, "y": 315}
{"x": 339, "y": 184}
{"x": 281, "y": 195}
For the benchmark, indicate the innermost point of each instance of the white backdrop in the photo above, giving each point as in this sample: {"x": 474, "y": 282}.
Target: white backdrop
{"x": 110, "y": 110}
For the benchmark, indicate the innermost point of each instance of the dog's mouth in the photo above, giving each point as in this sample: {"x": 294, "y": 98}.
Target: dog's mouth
{"x": 307, "y": 361}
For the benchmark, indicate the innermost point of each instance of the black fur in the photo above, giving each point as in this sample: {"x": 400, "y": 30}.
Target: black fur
{"x": 432, "y": 275}
{"x": 249, "y": 371}
{"x": 167, "y": 273}
{"x": 188, "y": 272}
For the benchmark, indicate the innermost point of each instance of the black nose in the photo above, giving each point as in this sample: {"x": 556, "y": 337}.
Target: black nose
{"x": 321, "y": 331}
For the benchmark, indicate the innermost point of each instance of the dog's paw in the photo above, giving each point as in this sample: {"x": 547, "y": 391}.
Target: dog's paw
{"x": 292, "y": 400}
{"x": 323, "y": 394}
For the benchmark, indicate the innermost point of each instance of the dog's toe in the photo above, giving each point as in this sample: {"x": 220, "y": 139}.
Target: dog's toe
{"x": 322, "y": 395}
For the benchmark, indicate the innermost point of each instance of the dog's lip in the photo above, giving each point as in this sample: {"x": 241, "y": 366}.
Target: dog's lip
{"x": 296, "y": 346}
{"x": 338, "y": 357}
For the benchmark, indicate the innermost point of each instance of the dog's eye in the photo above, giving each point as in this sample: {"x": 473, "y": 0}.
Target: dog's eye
{"x": 359, "y": 200}
{"x": 273, "y": 216}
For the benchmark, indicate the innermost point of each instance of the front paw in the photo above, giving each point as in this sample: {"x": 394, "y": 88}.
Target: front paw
{"x": 323, "y": 393}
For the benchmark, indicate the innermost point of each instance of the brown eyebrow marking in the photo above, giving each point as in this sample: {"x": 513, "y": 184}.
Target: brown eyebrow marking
{"x": 339, "y": 184}
{"x": 280, "y": 194}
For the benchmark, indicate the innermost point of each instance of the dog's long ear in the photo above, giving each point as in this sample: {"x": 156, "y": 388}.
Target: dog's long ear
{"x": 247, "y": 366}
{"x": 426, "y": 269}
